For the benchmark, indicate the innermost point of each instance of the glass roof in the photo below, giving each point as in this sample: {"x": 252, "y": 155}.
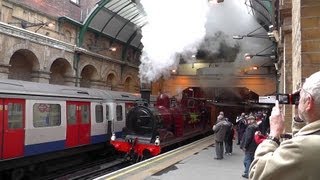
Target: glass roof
{"x": 119, "y": 19}
{"x": 262, "y": 10}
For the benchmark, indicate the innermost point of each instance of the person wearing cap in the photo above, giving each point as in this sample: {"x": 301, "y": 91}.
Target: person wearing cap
{"x": 248, "y": 145}
{"x": 298, "y": 157}
{"x": 241, "y": 126}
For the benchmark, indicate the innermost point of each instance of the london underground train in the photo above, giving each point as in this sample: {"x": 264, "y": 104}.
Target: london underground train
{"x": 40, "y": 122}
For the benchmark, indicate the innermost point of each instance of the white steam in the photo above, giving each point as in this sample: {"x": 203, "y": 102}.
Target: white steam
{"x": 175, "y": 29}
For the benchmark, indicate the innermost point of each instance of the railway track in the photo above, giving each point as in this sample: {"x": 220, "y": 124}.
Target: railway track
{"x": 98, "y": 168}
{"x": 94, "y": 170}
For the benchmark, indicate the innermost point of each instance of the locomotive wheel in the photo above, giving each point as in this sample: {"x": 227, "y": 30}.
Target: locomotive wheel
{"x": 146, "y": 154}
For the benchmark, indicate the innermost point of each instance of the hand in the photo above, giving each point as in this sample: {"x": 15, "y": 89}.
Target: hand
{"x": 276, "y": 121}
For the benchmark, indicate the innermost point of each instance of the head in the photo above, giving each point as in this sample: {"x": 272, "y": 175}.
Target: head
{"x": 220, "y": 118}
{"x": 243, "y": 114}
{"x": 251, "y": 120}
{"x": 309, "y": 103}
{"x": 221, "y": 113}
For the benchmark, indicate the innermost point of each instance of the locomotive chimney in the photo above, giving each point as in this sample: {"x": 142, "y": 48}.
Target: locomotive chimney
{"x": 145, "y": 91}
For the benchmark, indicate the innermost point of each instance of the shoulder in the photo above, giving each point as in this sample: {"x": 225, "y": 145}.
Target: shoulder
{"x": 305, "y": 146}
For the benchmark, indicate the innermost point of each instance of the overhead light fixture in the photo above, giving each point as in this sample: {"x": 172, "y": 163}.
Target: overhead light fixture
{"x": 252, "y": 34}
{"x": 25, "y": 24}
{"x": 248, "y": 56}
{"x": 113, "y": 49}
{"x": 255, "y": 68}
{"x": 174, "y": 71}
{"x": 98, "y": 49}
{"x": 271, "y": 28}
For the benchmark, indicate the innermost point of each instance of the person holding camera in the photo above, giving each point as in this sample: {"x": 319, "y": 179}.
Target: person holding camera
{"x": 298, "y": 157}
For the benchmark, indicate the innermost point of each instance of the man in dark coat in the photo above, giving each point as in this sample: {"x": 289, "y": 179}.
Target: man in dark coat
{"x": 241, "y": 126}
{"x": 248, "y": 145}
{"x": 228, "y": 140}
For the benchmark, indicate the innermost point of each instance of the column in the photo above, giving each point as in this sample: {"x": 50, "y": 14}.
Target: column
{"x": 4, "y": 71}
{"x": 40, "y": 76}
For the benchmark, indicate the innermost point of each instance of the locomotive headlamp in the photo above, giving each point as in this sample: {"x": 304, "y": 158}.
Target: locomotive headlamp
{"x": 113, "y": 137}
{"x": 157, "y": 141}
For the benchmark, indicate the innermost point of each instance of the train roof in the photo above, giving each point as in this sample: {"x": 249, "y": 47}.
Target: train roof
{"x": 123, "y": 96}
{"x": 18, "y": 87}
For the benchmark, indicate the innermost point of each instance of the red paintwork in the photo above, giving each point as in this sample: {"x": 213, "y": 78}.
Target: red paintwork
{"x": 137, "y": 147}
{"x": 78, "y": 133}
{"x": 13, "y": 138}
{"x": 179, "y": 121}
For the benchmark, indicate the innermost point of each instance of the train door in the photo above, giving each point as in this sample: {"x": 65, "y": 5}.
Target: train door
{"x": 12, "y": 123}
{"x": 108, "y": 115}
{"x": 78, "y": 123}
{"x": 118, "y": 117}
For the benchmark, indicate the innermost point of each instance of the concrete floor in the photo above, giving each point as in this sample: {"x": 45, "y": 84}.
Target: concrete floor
{"x": 202, "y": 165}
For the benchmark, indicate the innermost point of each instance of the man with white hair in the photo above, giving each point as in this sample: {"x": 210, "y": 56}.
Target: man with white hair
{"x": 219, "y": 131}
{"x": 299, "y": 157}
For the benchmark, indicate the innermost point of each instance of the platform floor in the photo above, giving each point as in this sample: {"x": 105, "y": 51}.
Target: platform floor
{"x": 202, "y": 165}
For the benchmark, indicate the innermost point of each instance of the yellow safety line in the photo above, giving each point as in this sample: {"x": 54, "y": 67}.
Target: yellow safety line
{"x": 147, "y": 163}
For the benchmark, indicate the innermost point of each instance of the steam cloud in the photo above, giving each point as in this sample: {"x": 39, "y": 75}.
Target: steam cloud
{"x": 175, "y": 29}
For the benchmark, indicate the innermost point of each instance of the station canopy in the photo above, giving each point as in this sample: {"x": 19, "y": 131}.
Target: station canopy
{"x": 120, "y": 20}
{"x": 263, "y": 12}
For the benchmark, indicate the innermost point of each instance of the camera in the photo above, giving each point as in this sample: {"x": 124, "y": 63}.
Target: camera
{"x": 282, "y": 98}
{"x": 288, "y": 98}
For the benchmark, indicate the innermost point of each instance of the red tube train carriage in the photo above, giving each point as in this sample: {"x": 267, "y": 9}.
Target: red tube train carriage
{"x": 150, "y": 129}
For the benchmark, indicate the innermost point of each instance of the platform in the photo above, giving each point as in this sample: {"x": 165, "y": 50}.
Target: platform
{"x": 197, "y": 162}
{"x": 203, "y": 166}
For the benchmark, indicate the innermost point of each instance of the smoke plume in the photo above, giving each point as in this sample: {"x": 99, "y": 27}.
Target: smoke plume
{"x": 174, "y": 31}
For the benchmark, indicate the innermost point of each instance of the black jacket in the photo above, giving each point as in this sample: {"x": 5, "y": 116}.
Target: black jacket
{"x": 248, "y": 142}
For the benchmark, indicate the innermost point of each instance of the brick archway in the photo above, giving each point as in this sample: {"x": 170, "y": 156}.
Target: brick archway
{"x": 111, "y": 81}
{"x": 88, "y": 75}
{"x": 60, "y": 70}
{"x": 23, "y": 63}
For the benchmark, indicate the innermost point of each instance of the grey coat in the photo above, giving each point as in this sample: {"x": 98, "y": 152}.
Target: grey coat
{"x": 220, "y": 130}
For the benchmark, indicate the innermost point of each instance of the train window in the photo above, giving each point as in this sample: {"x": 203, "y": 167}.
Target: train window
{"x": 71, "y": 114}
{"x": 85, "y": 112}
{"x": 129, "y": 106}
{"x": 99, "y": 114}
{"x": 46, "y": 115}
{"x": 15, "y": 116}
{"x": 119, "y": 112}
{"x": 107, "y": 112}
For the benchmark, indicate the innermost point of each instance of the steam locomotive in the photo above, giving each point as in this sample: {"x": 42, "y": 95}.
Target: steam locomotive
{"x": 150, "y": 129}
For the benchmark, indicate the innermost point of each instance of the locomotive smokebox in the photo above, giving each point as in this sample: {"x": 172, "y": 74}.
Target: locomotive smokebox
{"x": 145, "y": 91}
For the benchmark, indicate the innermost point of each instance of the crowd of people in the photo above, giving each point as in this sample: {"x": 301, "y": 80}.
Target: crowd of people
{"x": 251, "y": 129}
{"x": 267, "y": 154}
